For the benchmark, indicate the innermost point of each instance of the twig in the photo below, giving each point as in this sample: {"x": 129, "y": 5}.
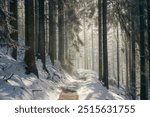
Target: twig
{"x": 36, "y": 90}
{"x": 9, "y": 77}
{"x": 4, "y": 77}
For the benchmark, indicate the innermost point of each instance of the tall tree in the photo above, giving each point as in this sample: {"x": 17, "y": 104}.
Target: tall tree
{"x": 92, "y": 37}
{"x": 148, "y": 14}
{"x": 85, "y": 44}
{"x": 36, "y": 26}
{"x": 100, "y": 40}
{"x": 118, "y": 56}
{"x": 105, "y": 52}
{"x": 4, "y": 31}
{"x": 52, "y": 29}
{"x": 29, "y": 40}
{"x": 61, "y": 30}
{"x": 133, "y": 71}
{"x": 42, "y": 45}
{"x": 143, "y": 89}
{"x": 14, "y": 24}
{"x": 127, "y": 65}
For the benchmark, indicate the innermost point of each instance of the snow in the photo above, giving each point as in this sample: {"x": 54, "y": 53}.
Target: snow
{"x": 90, "y": 88}
{"x": 21, "y": 86}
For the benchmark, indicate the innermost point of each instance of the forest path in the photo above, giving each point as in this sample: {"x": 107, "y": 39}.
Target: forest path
{"x": 68, "y": 94}
{"x": 70, "y": 90}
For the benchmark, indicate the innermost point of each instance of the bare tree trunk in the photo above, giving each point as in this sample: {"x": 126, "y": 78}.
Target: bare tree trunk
{"x": 42, "y": 45}
{"x": 29, "y": 34}
{"x": 118, "y": 58}
{"x": 52, "y": 29}
{"x": 133, "y": 75}
{"x": 127, "y": 66}
{"x": 61, "y": 30}
{"x": 143, "y": 89}
{"x": 85, "y": 44}
{"x": 92, "y": 47}
{"x": 14, "y": 24}
{"x": 105, "y": 52}
{"x": 148, "y": 14}
{"x": 36, "y": 25}
{"x": 100, "y": 41}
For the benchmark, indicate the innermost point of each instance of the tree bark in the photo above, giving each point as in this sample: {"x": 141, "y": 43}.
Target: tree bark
{"x": 143, "y": 88}
{"x": 148, "y": 14}
{"x": 92, "y": 36}
{"x": 42, "y": 45}
{"x": 36, "y": 26}
{"x": 29, "y": 41}
{"x": 14, "y": 24}
{"x": 105, "y": 52}
{"x": 118, "y": 58}
{"x": 85, "y": 44}
{"x": 133, "y": 74}
{"x": 52, "y": 30}
{"x": 127, "y": 66}
{"x": 61, "y": 30}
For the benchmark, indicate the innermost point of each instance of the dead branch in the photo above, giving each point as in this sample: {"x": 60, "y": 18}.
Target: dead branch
{"x": 36, "y": 90}
{"x": 9, "y": 77}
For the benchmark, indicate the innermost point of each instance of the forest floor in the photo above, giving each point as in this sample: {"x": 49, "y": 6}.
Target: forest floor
{"x": 57, "y": 85}
{"x": 67, "y": 94}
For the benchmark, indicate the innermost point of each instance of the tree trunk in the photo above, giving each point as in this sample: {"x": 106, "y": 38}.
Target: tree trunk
{"x": 92, "y": 47}
{"x": 127, "y": 66}
{"x": 66, "y": 19}
{"x": 52, "y": 30}
{"x": 143, "y": 87}
{"x": 14, "y": 24}
{"x": 118, "y": 58}
{"x": 46, "y": 27}
{"x": 100, "y": 42}
{"x": 85, "y": 44}
{"x": 42, "y": 44}
{"x": 4, "y": 31}
{"x": 61, "y": 30}
{"x": 29, "y": 34}
{"x": 36, "y": 26}
{"x": 133, "y": 74}
{"x": 105, "y": 52}
{"x": 148, "y": 14}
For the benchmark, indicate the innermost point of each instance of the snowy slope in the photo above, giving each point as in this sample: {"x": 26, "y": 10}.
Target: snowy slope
{"x": 22, "y": 86}
{"x": 15, "y": 84}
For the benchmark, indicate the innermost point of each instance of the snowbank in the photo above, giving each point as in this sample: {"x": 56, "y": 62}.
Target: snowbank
{"x": 15, "y": 84}
{"x": 92, "y": 89}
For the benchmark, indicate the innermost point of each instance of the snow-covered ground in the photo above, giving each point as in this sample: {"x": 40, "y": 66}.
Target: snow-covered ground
{"x": 15, "y": 84}
{"x": 90, "y": 88}
{"x": 22, "y": 86}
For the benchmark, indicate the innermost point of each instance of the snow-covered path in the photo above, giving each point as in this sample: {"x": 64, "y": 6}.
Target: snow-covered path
{"x": 88, "y": 87}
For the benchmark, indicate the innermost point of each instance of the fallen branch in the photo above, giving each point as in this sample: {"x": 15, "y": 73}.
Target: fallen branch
{"x": 9, "y": 77}
{"x": 36, "y": 90}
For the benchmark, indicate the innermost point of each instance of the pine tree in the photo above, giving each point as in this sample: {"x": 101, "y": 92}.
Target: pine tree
{"x": 143, "y": 93}
{"x": 61, "y": 30}
{"x": 100, "y": 42}
{"x": 29, "y": 40}
{"x": 133, "y": 72}
{"x": 148, "y": 14}
{"x": 14, "y": 24}
{"x": 42, "y": 45}
{"x": 52, "y": 29}
{"x": 105, "y": 52}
